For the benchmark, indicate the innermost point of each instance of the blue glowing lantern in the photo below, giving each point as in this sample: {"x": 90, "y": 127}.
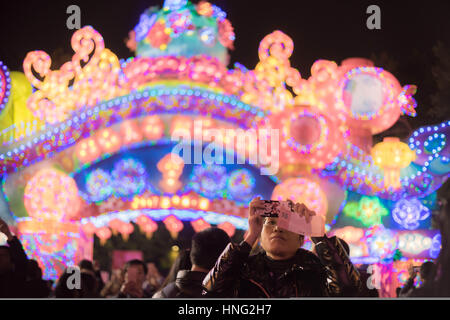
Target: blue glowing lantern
{"x": 129, "y": 178}
{"x": 99, "y": 185}
{"x": 409, "y": 212}
{"x": 240, "y": 185}
{"x": 209, "y": 180}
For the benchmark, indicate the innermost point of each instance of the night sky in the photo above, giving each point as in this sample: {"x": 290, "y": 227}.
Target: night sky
{"x": 332, "y": 30}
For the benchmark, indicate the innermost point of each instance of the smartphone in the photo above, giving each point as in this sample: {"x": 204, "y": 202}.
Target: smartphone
{"x": 289, "y": 220}
{"x": 273, "y": 208}
{"x": 416, "y": 268}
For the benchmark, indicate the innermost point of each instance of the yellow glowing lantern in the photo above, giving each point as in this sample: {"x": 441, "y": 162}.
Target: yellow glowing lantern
{"x": 392, "y": 155}
{"x": 108, "y": 140}
{"x": 87, "y": 150}
{"x": 152, "y": 127}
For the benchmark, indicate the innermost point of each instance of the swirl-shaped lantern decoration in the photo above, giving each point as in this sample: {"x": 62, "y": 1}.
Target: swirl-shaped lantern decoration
{"x": 304, "y": 191}
{"x": 409, "y": 212}
{"x": 52, "y": 194}
{"x": 93, "y": 69}
{"x": 266, "y": 85}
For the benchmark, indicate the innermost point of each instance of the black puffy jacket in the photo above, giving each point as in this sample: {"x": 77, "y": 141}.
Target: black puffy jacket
{"x": 238, "y": 275}
{"x": 188, "y": 284}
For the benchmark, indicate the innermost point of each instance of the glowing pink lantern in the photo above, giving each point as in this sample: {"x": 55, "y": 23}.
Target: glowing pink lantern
{"x": 103, "y": 233}
{"x": 130, "y": 132}
{"x": 89, "y": 228}
{"x": 147, "y": 225}
{"x": 125, "y": 230}
{"x": 308, "y": 136}
{"x": 304, "y": 191}
{"x": 200, "y": 225}
{"x": 152, "y": 127}
{"x": 87, "y": 150}
{"x": 115, "y": 225}
{"x": 228, "y": 227}
{"x": 108, "y": 140}
{"x": 174, "y": 225}
{"x": 368, "y": 96}
{"x": 52, "y": 194}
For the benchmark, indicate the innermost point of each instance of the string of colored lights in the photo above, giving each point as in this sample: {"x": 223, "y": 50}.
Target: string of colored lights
{"x": 5, "y": 86}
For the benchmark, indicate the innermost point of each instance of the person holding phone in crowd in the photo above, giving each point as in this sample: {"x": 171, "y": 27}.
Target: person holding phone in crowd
{"x": 135, "y": 272}
{"x": 283, "y": 269}
{"x": 426, "y": 271}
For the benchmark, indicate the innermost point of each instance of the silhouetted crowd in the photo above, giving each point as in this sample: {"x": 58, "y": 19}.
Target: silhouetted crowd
{"x": 214, "y": 266}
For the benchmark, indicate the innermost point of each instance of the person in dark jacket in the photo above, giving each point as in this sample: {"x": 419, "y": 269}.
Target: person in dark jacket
{"x": 427, "y": 271}
{"x": 206, "y": 247}
{"x": 35, "y": 286}
{"x": 283, "y": 269}
{"x": 13, "y": 266}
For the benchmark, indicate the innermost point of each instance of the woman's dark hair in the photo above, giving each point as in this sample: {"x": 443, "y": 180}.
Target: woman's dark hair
{"x": 182, "y": 262}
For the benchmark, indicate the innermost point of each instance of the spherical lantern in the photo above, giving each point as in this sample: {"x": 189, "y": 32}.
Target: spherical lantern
{"x": 103, "y": 233}
{"x": 89, "y": 229}
{"x": 304, "y": 191}
{"x": 368, "y": 96}
{"x": 99, "y": 185}
{"x": 308, "y": 136}
{"x": 87, "y": 150}
{"x": 200, "y": 225}
{"x": 209, "y": 180}
{"x": 51, "y": 194}
{"x": 173, "y": 225}
{"x": 392, "y": 155}
{"x": 228, "y": 227}
{"x": 108, "y": 140}
{"x": 409, "y": 212}
{"x": 129, "y": 177}
{"x": 240, "y": 184}
{"x": 152, "y": 127}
